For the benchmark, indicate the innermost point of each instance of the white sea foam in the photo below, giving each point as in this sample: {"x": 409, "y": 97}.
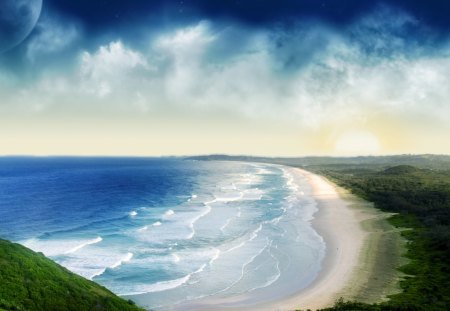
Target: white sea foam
{"x": 225, "y": 225}
{"x": 160, "y": 286}
{"x": 227, "y": 197}
{"x": 231, "y": 186}
{"x": 142, "y": 228}
{"x": 239, "y": 213}
{"x": 193, "y": 197}
{"x": 157, "y": 224}
{"x": 126, "y": 258}
{"x": 132, "y": 213}
{"x": 290, "y": 182}
{"x": 253, "y": 236}
{"x": 264, "y": 171}
{"x": 215, "y": 256}
{"x": 253, "y": 194}
{"x": 175, "y": 258}
{"x": 244, "y": 266}
{"x": 205, "y": 212}
{"x": 274, "y": 278}
{"x": 169, "y": 213}
{"x": 78, "y": 247}
{"x": 96, "y": 274}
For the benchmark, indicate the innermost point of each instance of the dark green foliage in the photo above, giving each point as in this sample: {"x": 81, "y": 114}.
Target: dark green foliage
{"x": 399, "y": 170}
{"x": 342, "y": 305}
{"x": 30, "y": 281}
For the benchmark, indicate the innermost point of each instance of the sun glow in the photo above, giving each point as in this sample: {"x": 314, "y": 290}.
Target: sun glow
{"x": 355, "y": 141}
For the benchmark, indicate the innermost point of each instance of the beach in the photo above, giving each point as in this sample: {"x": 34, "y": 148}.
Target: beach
{"x": 356, "y": 235}
{"x": 230, "y": 236}
{"x": 340, "y": 226}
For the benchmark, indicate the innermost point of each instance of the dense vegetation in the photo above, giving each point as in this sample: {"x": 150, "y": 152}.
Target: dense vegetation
{"x": 417, "y": 189}
{"x": 30, "y": 281}
{"x": 421, "y": 199}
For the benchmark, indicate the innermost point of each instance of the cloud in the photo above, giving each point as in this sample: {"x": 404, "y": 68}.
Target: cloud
{"x": 111, "y": 69}
{"x": 307, "y": 75}
{"x": 181, "y": 54}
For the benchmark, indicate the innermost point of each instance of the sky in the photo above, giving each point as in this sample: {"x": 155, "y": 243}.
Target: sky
{"x": 275, "y": 78}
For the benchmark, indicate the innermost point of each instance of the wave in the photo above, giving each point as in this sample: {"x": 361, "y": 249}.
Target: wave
{"x": 120, "y": 262}
{"x": 230, "y": 197}
{"x": 160, "y": 286}
{"x": 97, "y": 274}
{"x": 175, "y": 258}
{"x": 194, "y": 196}
{"x": 126, "y": 258}
{"x": 205, "y": 212}
{"x": 78, "y": 247}
{"x": 263, "y": 171}
{"x": 142, "y": 228}
{"x": 253, "y": 236}
{"x": 231, "y": 186}
{"x": 215, "y": 256}
{"x": 243, "y": 269}
{"x": 169, "y": 213}
{"x": 132, "y": 213}
{"x": 88, "y": 226}
{"x": 226, "y": 224}
{"x": 157, "y": 224}
{"x": 290, "y": 182}
{"x": 274, "y": 278}
{"x": 254, "y": 194}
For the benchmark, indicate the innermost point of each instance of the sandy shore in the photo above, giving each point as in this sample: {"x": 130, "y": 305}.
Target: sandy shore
{"x": 340, "y": 226}
{"x": 363, "y": 251}
{"x": 356, "y": 236}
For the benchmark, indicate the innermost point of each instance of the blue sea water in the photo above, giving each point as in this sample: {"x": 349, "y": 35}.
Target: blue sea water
{"x": 165, "y": 231}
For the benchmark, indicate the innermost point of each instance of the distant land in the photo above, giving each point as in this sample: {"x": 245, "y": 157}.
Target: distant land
{"x": 430, "y": 161}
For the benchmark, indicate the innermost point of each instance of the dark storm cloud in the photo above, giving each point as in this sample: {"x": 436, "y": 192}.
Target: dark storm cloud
{"x": 98, "y": 15}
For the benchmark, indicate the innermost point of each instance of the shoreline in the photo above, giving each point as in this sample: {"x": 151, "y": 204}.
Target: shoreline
{"x": 354, "y": 233}
{"x": 344, "y": 237}
{"x": 340, "y": 226}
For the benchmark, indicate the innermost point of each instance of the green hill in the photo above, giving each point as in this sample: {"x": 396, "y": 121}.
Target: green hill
{"x": 400, "y": 170}
{"x": 30, "y": 281}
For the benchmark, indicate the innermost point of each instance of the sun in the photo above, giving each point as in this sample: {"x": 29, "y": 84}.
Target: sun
{"x": 357, "y": 142}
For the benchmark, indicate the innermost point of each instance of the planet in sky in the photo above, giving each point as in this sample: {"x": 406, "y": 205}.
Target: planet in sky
{"x": 17, "y": 20}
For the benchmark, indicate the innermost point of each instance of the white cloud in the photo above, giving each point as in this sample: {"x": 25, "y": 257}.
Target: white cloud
{"x": 182, "y": 54}
{"x": 114, "y": 70}
{"x": 307, "y": 75}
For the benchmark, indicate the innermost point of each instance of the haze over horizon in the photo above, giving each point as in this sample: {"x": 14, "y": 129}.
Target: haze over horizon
{"x": 285, "y": 78}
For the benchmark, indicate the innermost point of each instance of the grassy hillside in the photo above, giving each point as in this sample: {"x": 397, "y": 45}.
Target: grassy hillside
{"x": 30, "y": 281}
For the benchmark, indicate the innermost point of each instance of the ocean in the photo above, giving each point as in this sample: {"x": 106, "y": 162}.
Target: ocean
{"x": 166, "y": 231}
